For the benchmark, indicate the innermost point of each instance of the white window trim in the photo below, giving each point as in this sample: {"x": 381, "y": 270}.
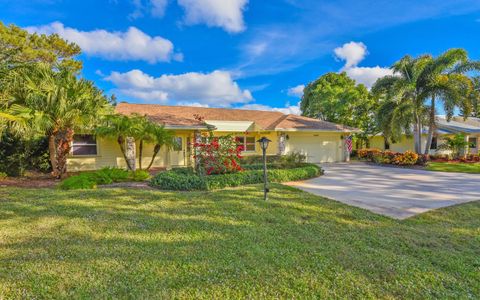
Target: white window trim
{"x": 86, "y": 155}
{"x": 245, "y": 143}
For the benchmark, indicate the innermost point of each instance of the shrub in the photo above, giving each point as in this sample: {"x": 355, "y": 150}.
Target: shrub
{"x": 115, "y": 174}
{"x": 422, "y": 159}
{"x": 139, "y": 175}
{"x": 368, "y": 154}
{"x": 292, "y": 158}
{"x": 90, "y": 180}
{"x": 82, "y": 181}
{"x": 3, "y": 175}
{"x": 171, "y": 180}
{"x": 220, "y": 155}
{"x": 408, "y": 158}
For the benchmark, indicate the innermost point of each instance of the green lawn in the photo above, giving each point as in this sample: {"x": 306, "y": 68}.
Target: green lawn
{"x": 119, "y": 243}
{"x": 454, "y": 167}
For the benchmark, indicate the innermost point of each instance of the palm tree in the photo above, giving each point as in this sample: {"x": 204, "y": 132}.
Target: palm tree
{"x": 404, "y": 96}
{"x": 161, "y": 138}
{"x": 443, "y": 80}
{"x": 59, "y": 104}
{"x": 125, "y": 129}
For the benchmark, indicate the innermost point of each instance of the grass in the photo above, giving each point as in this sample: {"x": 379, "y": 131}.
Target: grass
{"x": 454, "y": 167}
{"x": 120, "y": 243}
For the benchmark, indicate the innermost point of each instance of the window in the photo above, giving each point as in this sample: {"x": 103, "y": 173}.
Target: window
{"x": 248, "y": 142}
{"x": 178, "y": 143}
{"x": 473, "y": 142}
{"x": 434, "y": 144}
{"x": 84, "y": 144}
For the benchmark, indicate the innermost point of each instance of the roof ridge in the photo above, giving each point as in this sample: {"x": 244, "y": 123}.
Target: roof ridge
{"x": 202, "y": 107}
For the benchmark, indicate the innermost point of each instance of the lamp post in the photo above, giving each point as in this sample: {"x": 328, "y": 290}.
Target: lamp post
{"x": 264, "y": 145}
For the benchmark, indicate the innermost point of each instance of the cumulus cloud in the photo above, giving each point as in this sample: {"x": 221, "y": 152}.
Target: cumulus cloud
{"x": 227, "y": 14}
{"x": 216, "y": 88}
{"x": 288, "y": 109}
{"x": 353, "y": 53}
{"x": 296, "y": 91}
{"x": 132, "y": 44}
{"x": 368, "y": 75}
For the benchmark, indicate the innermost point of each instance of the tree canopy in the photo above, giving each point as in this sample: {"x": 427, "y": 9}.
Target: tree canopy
{"x": 334, "y": 97}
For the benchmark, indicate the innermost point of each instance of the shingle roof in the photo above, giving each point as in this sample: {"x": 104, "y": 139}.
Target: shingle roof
{"x": 186, "y": 116}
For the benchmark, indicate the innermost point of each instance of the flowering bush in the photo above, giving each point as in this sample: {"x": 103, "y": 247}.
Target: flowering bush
{"x": 218, "y": 155}
{"x": 368, "y": 154}
{"x": 394, "y": 158}
{"x": 405, "y": 159}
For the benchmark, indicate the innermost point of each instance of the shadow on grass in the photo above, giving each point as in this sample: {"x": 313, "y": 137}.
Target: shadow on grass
{"x": 143, "y": 244}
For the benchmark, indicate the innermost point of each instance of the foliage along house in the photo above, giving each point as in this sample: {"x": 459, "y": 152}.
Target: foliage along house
{"x": 320, "y": 141}
{"x": 469, "y": 127}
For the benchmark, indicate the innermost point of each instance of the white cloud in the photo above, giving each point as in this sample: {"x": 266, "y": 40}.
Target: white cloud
{"x": 288, "y": 109}
{"x": 158, "y": 7}
{"x": 296, "y": 91}
{"x": 132, "y": 44}
{"x": 368, "y": 75}
{"x": 216, "y": 88}
{"x": 353, "y": 53}
{"x": 227, "y": 14}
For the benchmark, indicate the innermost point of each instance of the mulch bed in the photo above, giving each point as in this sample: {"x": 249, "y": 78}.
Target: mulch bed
{"x": 30, "y": 180}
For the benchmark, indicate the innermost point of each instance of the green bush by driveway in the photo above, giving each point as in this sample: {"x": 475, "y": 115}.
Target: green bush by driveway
{"x": 188, "y": 181}
{"x": 229, "y": 244}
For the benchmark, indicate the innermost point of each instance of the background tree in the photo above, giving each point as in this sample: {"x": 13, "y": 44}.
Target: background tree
{"x": 475, "y": 97}
{"x": 337, "y": 98}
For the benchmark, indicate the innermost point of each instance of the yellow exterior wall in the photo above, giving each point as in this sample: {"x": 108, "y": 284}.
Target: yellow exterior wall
{"x": 109, "y": 155}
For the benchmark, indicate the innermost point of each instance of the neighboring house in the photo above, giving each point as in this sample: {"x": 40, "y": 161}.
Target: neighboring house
{"x": 320, "y": 141}
{"x": 469, "y": 127}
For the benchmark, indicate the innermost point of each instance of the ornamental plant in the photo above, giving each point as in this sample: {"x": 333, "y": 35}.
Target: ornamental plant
{"x": 218, "y": 155}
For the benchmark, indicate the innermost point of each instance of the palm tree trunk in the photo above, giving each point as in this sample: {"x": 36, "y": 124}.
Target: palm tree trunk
{"x": 140, "y": 154}
{"x": 63, "y": 141}
{"x": 431, "y": 127}
{"x": 52, "y": 152}
{"x": 121, "y": 143}
{"x": 156, "y": 149}
{"x": 416, "y": 132}
{"x": 131, "y": 153}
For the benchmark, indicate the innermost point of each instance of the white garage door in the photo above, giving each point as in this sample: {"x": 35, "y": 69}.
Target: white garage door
{"x": 317, "y": 148}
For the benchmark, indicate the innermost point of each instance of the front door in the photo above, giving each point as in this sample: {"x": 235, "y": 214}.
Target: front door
{"x": 178, "y": 152}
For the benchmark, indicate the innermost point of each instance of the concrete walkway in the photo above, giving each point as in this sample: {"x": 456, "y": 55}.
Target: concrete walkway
{"x": 394, "y": 192}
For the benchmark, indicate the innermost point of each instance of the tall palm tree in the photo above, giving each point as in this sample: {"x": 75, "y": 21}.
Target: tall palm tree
{"x": 443, "y": 80}
{"x": 59, "y": 103}
{"x": 403, "y": 107}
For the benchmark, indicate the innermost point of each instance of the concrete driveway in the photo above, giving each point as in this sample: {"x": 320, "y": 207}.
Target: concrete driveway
{"x": 394, "y": 192}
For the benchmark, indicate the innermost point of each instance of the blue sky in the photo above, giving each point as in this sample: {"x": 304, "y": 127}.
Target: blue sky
{"x": 244, "y": 53}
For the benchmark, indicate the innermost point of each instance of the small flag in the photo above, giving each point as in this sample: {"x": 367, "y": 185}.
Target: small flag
{"x": 348, "y": 143}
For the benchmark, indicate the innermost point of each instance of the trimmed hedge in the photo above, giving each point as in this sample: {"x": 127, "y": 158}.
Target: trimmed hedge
{"x": 183, "y": 181}
{"x": 90, "y": 180}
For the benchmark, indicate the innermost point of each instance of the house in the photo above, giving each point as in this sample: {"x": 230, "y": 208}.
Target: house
{"x": 469, "y": 127}
{"x": 320, "y": 141}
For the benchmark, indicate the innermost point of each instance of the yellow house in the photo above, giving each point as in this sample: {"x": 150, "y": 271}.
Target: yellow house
{"x": 469, "y": 127}
{"x": 320, "y": 141}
